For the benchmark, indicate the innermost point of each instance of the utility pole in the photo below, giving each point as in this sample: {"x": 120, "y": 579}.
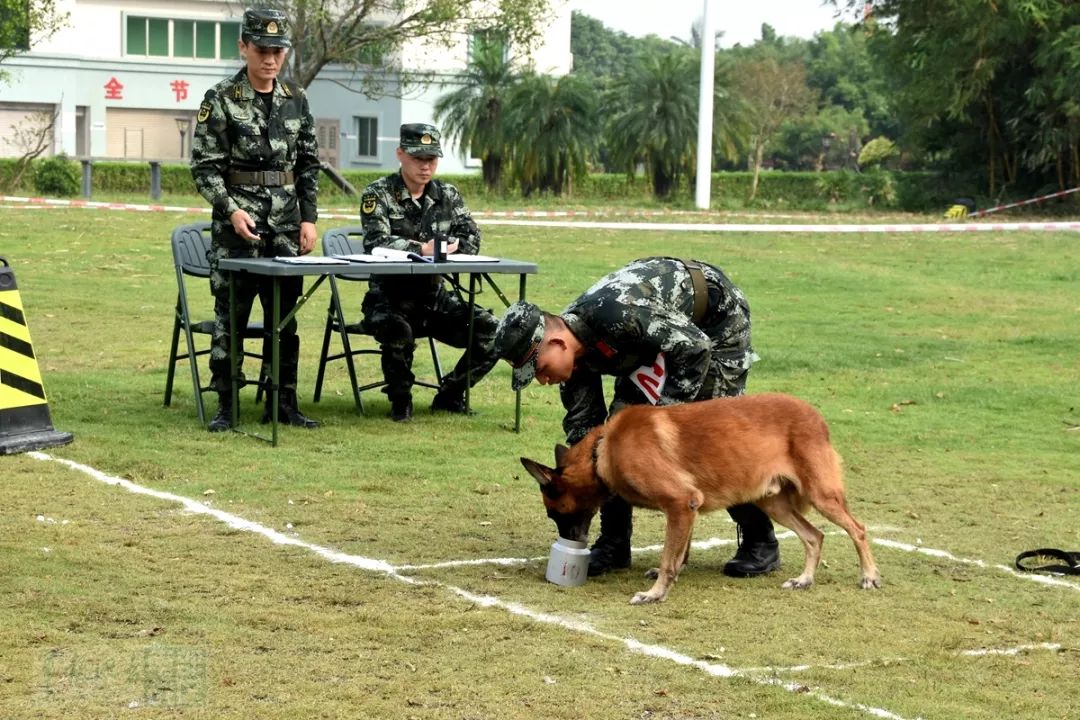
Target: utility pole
{"x": 703, "y": 189}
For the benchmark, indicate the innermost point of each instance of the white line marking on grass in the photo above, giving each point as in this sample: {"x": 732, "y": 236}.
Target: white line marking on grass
{"x": 380, "y": 566}
{"x": 1051, "y": 647}
{"x": 981, "y": 652}
{"x": 944, "y": 555}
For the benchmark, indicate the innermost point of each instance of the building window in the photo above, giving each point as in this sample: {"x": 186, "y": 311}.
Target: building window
{"x": 161, "y": 37}
{"x": 230, "y": 34}
{"x": 183, "y": 39}
{"x": 367, "y": 140}
{"x": 206, "y": 40}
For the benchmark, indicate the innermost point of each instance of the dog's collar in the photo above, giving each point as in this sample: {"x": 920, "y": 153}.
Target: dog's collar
{"x": 596, "y": 464}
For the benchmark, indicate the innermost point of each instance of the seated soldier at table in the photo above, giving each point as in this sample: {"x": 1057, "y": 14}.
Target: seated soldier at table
{"x": 410, "y": 210}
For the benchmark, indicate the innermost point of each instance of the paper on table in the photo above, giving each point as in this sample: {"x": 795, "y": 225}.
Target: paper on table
{"x": 386, "y": 254}
{"x": 311, "y": 260}
{"x": 462, "y": 257}
{"x": 381, "y": 254}
{"x": 365, "y": 258}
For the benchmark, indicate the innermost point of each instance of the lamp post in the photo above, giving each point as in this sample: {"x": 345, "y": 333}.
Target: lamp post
{"x": 183, "y": 125}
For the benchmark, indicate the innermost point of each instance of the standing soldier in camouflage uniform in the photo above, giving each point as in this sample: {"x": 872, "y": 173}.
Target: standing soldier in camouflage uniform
{"x": 256, "y": 160}
{"x": 670, "y": 331}
{"x": 410, "y": 210}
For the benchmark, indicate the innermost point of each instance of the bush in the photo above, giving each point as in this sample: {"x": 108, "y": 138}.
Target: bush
{"x": 56, "y": 175}
{"x": 876, "y": 152}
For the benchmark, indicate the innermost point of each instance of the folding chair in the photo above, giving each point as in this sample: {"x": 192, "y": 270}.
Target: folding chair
{"x": 349, "y": 241}
{"x": 190, "y": 244}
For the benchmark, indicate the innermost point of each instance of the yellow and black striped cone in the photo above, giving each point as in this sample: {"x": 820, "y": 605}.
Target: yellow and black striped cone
{"x": 24, "y": 412}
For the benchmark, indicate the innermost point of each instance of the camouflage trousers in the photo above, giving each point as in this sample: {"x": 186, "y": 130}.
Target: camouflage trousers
{"x": 226, "y": 244}
{"x": 397, "y": 323}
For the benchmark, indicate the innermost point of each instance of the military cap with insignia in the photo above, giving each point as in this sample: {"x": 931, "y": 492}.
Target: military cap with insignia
{"x": 421, "y": 139}
{"x": 266, "y": 28}
{"x": 517, "y": 339}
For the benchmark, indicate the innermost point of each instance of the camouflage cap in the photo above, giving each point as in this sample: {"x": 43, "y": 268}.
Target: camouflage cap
{"x": 421, "y": 139}
{"x": 517, "y": 340}
{"x": 266, "y": 28}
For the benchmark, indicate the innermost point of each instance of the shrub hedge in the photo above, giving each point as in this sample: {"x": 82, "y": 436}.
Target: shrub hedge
{"x": 908, "y": 191}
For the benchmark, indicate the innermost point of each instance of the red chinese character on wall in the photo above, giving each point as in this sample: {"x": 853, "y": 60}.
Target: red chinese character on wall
{"x": 114, "y": 89}
{"x": 180, "y": 87}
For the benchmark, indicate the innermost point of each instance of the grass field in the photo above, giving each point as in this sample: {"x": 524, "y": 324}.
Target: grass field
{"x": 370, "y": 570}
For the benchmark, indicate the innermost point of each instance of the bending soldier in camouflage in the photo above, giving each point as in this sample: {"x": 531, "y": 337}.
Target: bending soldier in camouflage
{"x": 256, "y": 161}
{"x": 670, "y": 331}
{"x": 410, "y": 210}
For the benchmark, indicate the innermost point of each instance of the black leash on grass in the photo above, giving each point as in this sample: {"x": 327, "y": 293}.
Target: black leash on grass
{"x": 1070, "y": 561}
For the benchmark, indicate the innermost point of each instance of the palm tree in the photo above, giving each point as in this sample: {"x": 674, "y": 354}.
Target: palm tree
{"x": 653, "y": 116}
{"x": 553, "y": 128}
{"x": 653, "y": 110}
{"x": 472, "y": 115}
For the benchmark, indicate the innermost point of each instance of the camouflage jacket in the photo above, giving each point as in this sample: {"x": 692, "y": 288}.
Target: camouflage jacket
{"x": 233, "y": 132}
{"x": 632, "y": 315}
{"x": 391, "y": 218}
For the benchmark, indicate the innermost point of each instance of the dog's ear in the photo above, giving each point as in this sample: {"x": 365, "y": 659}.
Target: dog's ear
{"x": 560, "y": 455}
{"x": 542, "y": 473}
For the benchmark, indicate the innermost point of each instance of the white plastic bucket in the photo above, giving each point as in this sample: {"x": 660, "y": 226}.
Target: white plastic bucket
{"x": 569, "y": 563}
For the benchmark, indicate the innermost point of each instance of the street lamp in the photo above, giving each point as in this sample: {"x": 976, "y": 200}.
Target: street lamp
{"x": 183, "y": 125}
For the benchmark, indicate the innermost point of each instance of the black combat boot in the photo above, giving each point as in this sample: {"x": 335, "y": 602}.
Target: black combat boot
{"x": 288, "y": 412}
{"x": 401, "y": 408}
{"x": 611, "y": 551}
{"x": 451, "y": 402}
{"x": 223, "y": 417}
{"x": 758, "y": 552}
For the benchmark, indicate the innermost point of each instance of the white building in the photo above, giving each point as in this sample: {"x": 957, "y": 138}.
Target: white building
{"x": 126, "y": 78}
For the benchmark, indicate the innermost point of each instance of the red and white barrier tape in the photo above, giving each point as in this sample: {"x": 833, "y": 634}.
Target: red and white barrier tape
{"x": 1041, "y": 198}
{"x": 671, "y": 227}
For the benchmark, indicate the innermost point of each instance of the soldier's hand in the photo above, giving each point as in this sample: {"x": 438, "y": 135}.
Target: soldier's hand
{"x": 307, "y": 237}
{"x": 244, "y": 225}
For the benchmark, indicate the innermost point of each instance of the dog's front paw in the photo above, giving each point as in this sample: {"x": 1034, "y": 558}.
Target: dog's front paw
{"x": 870, "y": 583}
{"x": 652, "y": 573}
{"x": 799, "y": 583}
{"x": 642, "y": 598}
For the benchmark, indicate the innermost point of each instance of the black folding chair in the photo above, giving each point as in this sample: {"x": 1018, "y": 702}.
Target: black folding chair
{"x": 349, "y": 241}
{"x": 190, "y": 244}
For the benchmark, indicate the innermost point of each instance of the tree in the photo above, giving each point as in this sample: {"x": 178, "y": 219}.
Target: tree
{"x": 472, "y": 114}
{"x": 32, "y": 137}
{"x": 774, "y": 92}
{"x": 552, "y": 128}
{"x": 988, "y": 87}
{"x": 369, "y": 36}
{"x": 599, "y": 51}
{"x": 848, "y": 70}
{"x": 25, "y": 23}
{"x": 653, "y": 117}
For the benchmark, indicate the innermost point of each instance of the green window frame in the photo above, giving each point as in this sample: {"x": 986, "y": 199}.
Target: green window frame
{"x": 136, "y": 35}
{"x": 162, "y": 37}
{"x": 157, "y": 37}
{"x": 183, "y": 38}
{"x": 230, "y": 34}
{"x": 206, "y": 40}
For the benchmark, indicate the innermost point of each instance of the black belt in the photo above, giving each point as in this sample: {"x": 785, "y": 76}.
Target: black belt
{"x": 701, "y": 291}
{"x": 272, "y": 178}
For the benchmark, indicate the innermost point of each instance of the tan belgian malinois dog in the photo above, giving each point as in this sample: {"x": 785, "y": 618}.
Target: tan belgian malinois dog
{"x": 772, "y": 450}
